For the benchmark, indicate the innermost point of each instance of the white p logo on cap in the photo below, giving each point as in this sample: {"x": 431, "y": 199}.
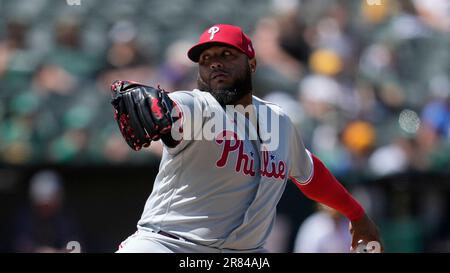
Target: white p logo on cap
{"x": 213, "y": 30}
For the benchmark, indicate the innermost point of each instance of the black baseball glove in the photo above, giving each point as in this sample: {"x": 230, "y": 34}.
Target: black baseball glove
{"x": 143, "y": 113}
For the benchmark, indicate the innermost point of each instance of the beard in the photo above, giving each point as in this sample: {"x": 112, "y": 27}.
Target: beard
{"x": 229, "y": 95}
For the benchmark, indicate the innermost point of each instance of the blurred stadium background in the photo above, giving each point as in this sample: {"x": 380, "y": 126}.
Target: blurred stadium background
{"x": 366, "y": 81}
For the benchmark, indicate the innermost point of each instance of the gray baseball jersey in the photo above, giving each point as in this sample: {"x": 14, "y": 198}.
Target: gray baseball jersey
{"x": 223, "y": 192}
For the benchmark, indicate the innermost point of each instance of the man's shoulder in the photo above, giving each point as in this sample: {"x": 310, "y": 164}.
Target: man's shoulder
{"x": 273, "y": 107}
{"x": 193, "y": 93}
{"x": 190, "y": 96}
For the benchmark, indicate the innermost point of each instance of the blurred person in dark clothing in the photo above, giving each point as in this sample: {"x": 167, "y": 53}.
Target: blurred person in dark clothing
{"x": 44, "y": 226}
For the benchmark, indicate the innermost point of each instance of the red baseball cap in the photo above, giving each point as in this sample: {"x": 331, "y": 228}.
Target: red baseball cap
{"x": 222, "y": 34}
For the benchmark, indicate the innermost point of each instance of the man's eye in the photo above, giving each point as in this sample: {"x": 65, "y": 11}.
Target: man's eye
{"x": 227, "y": 53}
{"x": 205, "y": 57}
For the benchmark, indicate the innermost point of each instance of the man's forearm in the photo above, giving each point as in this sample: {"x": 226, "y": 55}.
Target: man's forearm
{"x": 324, "y": 188}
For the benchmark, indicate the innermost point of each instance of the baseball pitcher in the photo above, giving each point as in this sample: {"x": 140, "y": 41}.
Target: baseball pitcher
{"x": 227, "y": 157}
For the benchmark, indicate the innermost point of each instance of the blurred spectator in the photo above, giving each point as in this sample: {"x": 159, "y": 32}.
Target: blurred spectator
{"x": 320, "y": 96}
{"x": 17, "y": 60}
{"x": 325, "y": 231}
{"x": 46, "y": 225}
{"x": 435, "y": 13}
{"x": 277, "y": 70}
{"x": 390, "y": 159}
{"x": 177, "y": 72}
{"x": 434, "y": 132}
{"x": 69, "y": 53}
{"x": 359, "y": 139}
{"x": 124, "y": 58}
{"x": 326, "y": 62}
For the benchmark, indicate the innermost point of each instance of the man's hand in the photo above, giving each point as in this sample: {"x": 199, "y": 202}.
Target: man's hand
{"x": 143, "y": 113}
{"x": 365, "y": 229}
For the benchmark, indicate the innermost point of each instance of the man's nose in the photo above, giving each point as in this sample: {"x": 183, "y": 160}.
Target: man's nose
{"x": 216, "y": 65}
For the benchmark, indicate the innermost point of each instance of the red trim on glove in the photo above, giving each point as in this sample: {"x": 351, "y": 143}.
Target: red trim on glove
{"x": 324, "y": 188}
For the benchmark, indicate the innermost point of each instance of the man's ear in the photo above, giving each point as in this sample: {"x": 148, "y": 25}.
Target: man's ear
{"x": 252, "y": 64}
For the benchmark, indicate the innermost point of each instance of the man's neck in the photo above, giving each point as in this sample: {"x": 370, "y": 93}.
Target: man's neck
{"x": 245, "y": 100}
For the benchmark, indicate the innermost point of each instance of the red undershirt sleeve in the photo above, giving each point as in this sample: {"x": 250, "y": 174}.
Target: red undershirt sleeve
{"x": 324, "y": 188}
